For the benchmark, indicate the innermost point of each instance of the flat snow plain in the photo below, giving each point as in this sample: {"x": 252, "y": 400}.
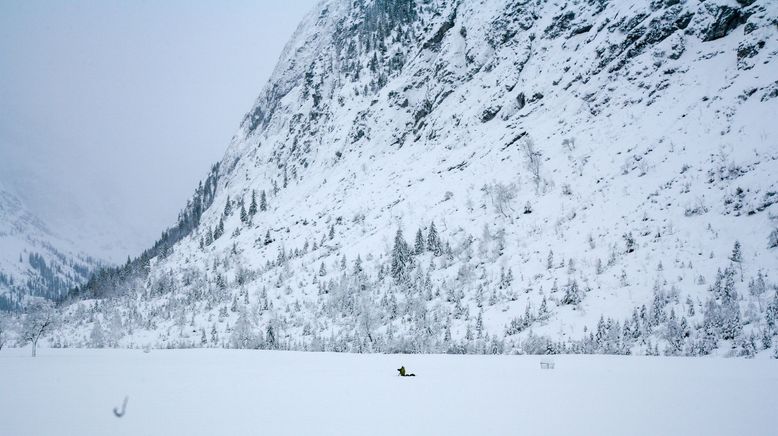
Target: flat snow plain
{"x": 231, "y": 392}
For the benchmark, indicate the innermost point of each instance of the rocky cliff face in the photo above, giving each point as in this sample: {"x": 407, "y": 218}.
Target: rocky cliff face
{"x": 588, "y": 168}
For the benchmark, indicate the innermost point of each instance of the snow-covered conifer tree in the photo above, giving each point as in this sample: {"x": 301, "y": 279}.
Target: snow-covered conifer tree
{"x": 572, "y": 293}
{"x": 253, "y": 205}
{"x": 418, "y": 246}
{"x": 737, "y": 257}
{"x": 322, "y": 270}
{"x": 244, "y": 216}
{"x": 227, "y": 207}
{"x": 401, "y": 257}
{"x": 433, "y": 240}
{"x": 263, "y": 201}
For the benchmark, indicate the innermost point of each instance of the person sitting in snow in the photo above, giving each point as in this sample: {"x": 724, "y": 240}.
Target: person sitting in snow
{"x": 404, "y": 374}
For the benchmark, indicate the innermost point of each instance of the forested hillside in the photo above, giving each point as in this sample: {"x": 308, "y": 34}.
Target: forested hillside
{"x": 498, "y": 176}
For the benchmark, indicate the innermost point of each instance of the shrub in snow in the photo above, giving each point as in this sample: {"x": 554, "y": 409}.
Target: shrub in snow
{"x": 699, "y": 208}
{"x": 572, "y": 294}
{"x": 537, "y": 345}
{"x": 748, "y": 347}
{"x": 629, "y": 242}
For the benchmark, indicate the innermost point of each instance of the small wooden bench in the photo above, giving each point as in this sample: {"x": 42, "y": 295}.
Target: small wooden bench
{"x": 546, "y": 364}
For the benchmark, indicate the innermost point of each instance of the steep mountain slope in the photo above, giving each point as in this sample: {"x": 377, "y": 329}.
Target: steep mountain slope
{"x": 588, "y": 167}
{"x": 33, "y": 261}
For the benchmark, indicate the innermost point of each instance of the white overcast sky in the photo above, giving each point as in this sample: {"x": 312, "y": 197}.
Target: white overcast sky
{"x": 111, "y": 111}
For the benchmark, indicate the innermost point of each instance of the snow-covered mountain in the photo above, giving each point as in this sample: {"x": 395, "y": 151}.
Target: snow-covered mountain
{"x": 588, "y": 168}
{"x": 33, "y": 260}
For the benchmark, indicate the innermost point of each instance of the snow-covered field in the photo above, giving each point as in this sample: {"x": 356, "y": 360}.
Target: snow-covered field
{"x": 231, "y": 392}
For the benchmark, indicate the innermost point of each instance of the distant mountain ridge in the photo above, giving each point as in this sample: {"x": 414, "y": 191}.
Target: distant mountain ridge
{"x": 33, "y": 260}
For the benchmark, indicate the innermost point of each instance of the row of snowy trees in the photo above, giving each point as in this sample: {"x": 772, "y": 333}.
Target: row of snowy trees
{"x": 403, "y": 302}
{"x": 245, "y": 214}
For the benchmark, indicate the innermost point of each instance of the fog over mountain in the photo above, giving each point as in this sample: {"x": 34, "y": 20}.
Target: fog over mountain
{"x": 111, "y": 111}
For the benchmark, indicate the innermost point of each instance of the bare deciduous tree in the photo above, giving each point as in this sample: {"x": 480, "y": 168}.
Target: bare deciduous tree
{"x": 533, "y": 161}
{"x": 502, "y": 197}
{"x": 39, "y": 320}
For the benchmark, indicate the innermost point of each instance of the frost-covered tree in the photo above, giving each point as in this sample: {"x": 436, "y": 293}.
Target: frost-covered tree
{"x": 433, "y": 240}
{"x": 219, "y": 230}
{"x": 757, "y": 287}
{"x": 748, "y": 345}
{"x": 543, "y": 309}
{"x": 418, "y": 246}
{"x": 572, "y": 294}
{"x": 771, "y": 314}
{"x": 115, "y": 329}
{"x": 244, "y": 216}
{"x": 97, "y": 337}
{"x": 690, "y": 306}
{"x": 39, "y": 320}
{"x": 401, "y": 257}
{"x": 674, "y": 335}
{"x": 263, "y": 201}
{"x": 271, "y": 339}
{"x": 737, "y": 257}
{"x": 598, "y": 267}
{"x": 243, "y": 335}
{"x": 214, "y": 335}
{"x": 502, "y": 196}
{"x": 767, "y": 339}
{"x": 367, "y": 319}
{"x": 228, "y": 207}
{"x": 253, "y": 205}
{"x": 708, "y": 336}
{"x": 729, "y": 310}
{"x": 533, "y": 156}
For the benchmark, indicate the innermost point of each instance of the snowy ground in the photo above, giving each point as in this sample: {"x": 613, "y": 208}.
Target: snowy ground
{"x": 209, "y": 392}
